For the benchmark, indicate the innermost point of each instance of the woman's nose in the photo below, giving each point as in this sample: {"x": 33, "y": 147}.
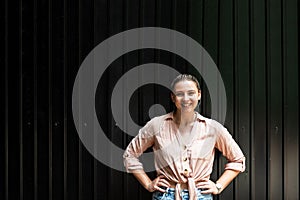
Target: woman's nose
{"x": 185, "y": 97}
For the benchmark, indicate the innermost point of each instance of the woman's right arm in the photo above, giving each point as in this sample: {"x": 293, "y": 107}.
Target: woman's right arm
{"x": 137, "y": 146}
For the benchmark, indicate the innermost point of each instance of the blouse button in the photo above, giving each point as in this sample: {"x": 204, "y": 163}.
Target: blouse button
{"x": 185, "y": 159}
{"x": 185, "y": 172}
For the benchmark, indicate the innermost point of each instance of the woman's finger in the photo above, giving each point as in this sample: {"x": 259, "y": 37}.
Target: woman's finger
{"x": 161, "y": 184}
{"x": 165, "y": 182}
{"x": 159, "y": 189}
{"x": 209, "y": 191}
{"x": 202, "y": 183}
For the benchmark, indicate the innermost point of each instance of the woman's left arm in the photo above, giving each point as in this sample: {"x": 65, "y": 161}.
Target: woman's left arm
{"x": 236, "y": 162}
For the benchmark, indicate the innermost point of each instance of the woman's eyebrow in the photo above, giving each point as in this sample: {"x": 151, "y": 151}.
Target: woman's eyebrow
{"x": 183, "y": 91}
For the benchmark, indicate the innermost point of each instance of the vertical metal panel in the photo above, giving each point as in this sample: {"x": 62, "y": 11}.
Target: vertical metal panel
{"x": 86, "y": 43}
{"x": 255, "y": 45}
{"x": 50, "y": 59}
{"x": 35, "y": 112}
{"x": 260, "y": 144}
{"x": 132, "y": 20}
{"x": 27, "y": 87}
{"x": 136, "y": 12}
{"x": 115, "y": 25}
{"x": 210, "y": 44}
{"x": 13, "y": 103}
{"x": 101, "y": 21}
{"x": 242, "y": 93}
{"x": 56, "y": 90}
{"x": 3, "y": 81}
{"x": 65, "y": 100}
{"x": 20, "y": 90}
{"x": 290, "y": 44}
{"x": 195, "y": 20}
{"x": 147, "y": 18}
{"x": 226, "y": 67}
{"x": 71, "y": 20}
{"x": 42, "y": 104}
{"x": 3, "y": 103}
{"x": 274, "y": 98}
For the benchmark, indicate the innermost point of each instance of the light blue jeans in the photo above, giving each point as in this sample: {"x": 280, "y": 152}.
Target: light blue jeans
{"x": 170, "y": 195}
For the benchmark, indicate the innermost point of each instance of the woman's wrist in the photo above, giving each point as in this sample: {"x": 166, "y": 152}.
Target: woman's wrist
{"x": 150, "y": 187}
{"x": 219, "y": 187}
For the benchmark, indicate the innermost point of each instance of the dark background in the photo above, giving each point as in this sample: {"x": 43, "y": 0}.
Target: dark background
{"x": 254, "y": 43}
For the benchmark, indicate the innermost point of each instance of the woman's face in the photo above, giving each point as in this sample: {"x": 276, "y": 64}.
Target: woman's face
{"x": 186, "y": 96}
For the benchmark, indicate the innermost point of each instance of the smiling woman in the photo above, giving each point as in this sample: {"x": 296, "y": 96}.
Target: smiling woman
{"x": 184, "y": 145}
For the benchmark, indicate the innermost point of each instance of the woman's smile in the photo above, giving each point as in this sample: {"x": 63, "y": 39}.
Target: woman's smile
{"x": 186, "y": 105}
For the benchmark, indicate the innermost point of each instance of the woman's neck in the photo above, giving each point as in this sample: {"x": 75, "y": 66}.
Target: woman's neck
{"x": 184, "y": 118}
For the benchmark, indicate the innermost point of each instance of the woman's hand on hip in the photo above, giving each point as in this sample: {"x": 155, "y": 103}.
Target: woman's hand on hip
{"x": 157, "y": 183}
{"x": 207, "y": 187}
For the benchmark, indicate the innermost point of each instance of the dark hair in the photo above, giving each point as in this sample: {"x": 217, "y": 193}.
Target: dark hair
{"x": 185, "y": 77}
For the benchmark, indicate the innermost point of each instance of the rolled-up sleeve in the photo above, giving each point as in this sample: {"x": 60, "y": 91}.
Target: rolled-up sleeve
{"x": 230, "y": 149}
{"x": 137, "y": 146}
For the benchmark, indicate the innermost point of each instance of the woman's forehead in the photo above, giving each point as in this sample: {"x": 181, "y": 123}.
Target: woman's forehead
{"x": 185, "y": 84}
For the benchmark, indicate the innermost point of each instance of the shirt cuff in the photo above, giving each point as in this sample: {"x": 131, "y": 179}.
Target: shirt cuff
{"x": 131, "y": 163}
{"x": 238, "y": 165}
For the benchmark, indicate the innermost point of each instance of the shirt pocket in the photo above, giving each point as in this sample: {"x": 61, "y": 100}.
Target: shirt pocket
{"x": 203, "y": 148}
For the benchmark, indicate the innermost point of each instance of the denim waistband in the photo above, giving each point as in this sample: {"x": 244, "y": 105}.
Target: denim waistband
{"x": 173, "y": 189}
{"x": 184, "y": 194}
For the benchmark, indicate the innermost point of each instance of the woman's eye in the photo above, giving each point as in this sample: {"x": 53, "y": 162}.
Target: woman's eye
{"x": 182, "y": 94}
{"x": 179, "y": 94}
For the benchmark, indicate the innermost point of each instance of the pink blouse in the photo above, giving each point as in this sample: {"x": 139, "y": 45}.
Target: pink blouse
{"x": 179, "y": 161}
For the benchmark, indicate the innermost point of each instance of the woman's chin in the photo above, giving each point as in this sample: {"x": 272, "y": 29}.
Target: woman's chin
{"x": 187, "y": 110}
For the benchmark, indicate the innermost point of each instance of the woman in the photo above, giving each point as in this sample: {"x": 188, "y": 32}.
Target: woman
{"x": 184, "y": 145}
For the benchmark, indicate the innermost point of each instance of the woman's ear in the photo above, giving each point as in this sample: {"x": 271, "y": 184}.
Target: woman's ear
{"x": 199, "y": 95}
{"x": 172, "y": 97}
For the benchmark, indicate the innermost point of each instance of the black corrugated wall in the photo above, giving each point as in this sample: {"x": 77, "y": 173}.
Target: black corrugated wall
{"x": 254, "y": 43}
